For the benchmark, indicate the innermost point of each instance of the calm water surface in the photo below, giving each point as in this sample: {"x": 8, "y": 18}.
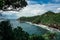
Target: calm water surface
{"x": 32, "y": 29}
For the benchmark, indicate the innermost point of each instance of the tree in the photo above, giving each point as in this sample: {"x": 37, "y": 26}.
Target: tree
{"x": 6, "y": 30}
{"x": 7, "y": 33}
{"x": 19, "y": 34}
{"x": 49, "y": 36}
{"x": 36, "y": 37}
{"x": 4, "y": 4}
{"x": 1, "y": 3}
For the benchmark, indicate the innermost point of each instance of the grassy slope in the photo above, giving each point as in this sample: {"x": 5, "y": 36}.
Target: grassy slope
{"x": 49, "y": 18}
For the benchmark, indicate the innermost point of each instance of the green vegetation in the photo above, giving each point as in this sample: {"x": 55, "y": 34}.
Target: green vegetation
{"x": 4, "y": 4}
{"x": 36, "y": 37}
{"x": 28, "y": 18}
{"x": 49, "y": 18}
{"x": 9, "y": 33}
{"x": 47, "y": 36}
{"x": 19, "y": 34}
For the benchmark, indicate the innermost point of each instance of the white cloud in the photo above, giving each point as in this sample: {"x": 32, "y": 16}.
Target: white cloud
{"x": 38, "y": 9}
{"x": 32, "y": 10}
{"x": 58, "y": 8}
{"x": 9, "y": 14}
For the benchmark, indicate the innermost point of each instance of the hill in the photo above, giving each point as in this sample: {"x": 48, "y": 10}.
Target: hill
{"x": 49, "y": 18}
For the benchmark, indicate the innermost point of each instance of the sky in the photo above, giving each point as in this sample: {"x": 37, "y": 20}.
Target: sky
{"x": 36, "y": 7}
{"x": 52, "y": 5}
{"x": 44, "y": 1}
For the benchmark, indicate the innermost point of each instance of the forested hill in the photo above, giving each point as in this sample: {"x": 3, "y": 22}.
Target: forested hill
{"x": 49, "y": 18}
{"x": 5, "y": 4}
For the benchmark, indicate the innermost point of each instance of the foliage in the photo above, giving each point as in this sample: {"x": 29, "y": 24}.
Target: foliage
{"x": 19, "y": 34}
{"x": 7, "y": 33}
{"x": 28, "y": 18}
{"x": 36, "y": 37}
{"x": 6, "y": 30}
{"x": 15, "y": 3}
{"x": 49, "y": 36}
{"x": 1, "y": 3}
{"x": 46, "y": 36}
{"x": 49, "y": 18}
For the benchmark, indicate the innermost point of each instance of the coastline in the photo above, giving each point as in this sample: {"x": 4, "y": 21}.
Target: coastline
{"x": 45, "y": 27}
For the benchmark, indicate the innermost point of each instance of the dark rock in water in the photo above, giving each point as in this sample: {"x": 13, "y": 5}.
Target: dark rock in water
{"x": 0, "y": 14}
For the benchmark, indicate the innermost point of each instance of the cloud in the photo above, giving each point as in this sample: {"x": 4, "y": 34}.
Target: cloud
{"x": 33, "y": 9}
{"x": 58, "y": 8}
{"x": 38, "y": 9}
{"x": 9, "y": 14}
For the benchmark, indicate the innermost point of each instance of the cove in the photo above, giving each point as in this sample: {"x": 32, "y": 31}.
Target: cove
{"x": 31, "y": 29}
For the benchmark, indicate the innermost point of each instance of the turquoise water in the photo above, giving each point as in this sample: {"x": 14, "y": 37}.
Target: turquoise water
{"x": 32, "y": 29}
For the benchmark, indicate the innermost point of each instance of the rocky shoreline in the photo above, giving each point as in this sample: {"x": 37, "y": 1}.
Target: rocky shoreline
{"x": 45, "y": 27}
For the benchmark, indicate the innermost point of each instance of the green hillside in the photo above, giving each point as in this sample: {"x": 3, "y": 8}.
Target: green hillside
{"x": 49, "y": 18}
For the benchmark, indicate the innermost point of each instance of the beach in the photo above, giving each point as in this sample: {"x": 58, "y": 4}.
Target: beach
{"x": 45, "y": 27}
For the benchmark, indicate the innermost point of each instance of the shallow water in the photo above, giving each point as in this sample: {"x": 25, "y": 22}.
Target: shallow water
{"x": 32, "y": 29}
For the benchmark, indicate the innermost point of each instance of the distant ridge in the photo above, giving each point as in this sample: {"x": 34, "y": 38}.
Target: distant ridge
{"x": 49, "y": 18}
